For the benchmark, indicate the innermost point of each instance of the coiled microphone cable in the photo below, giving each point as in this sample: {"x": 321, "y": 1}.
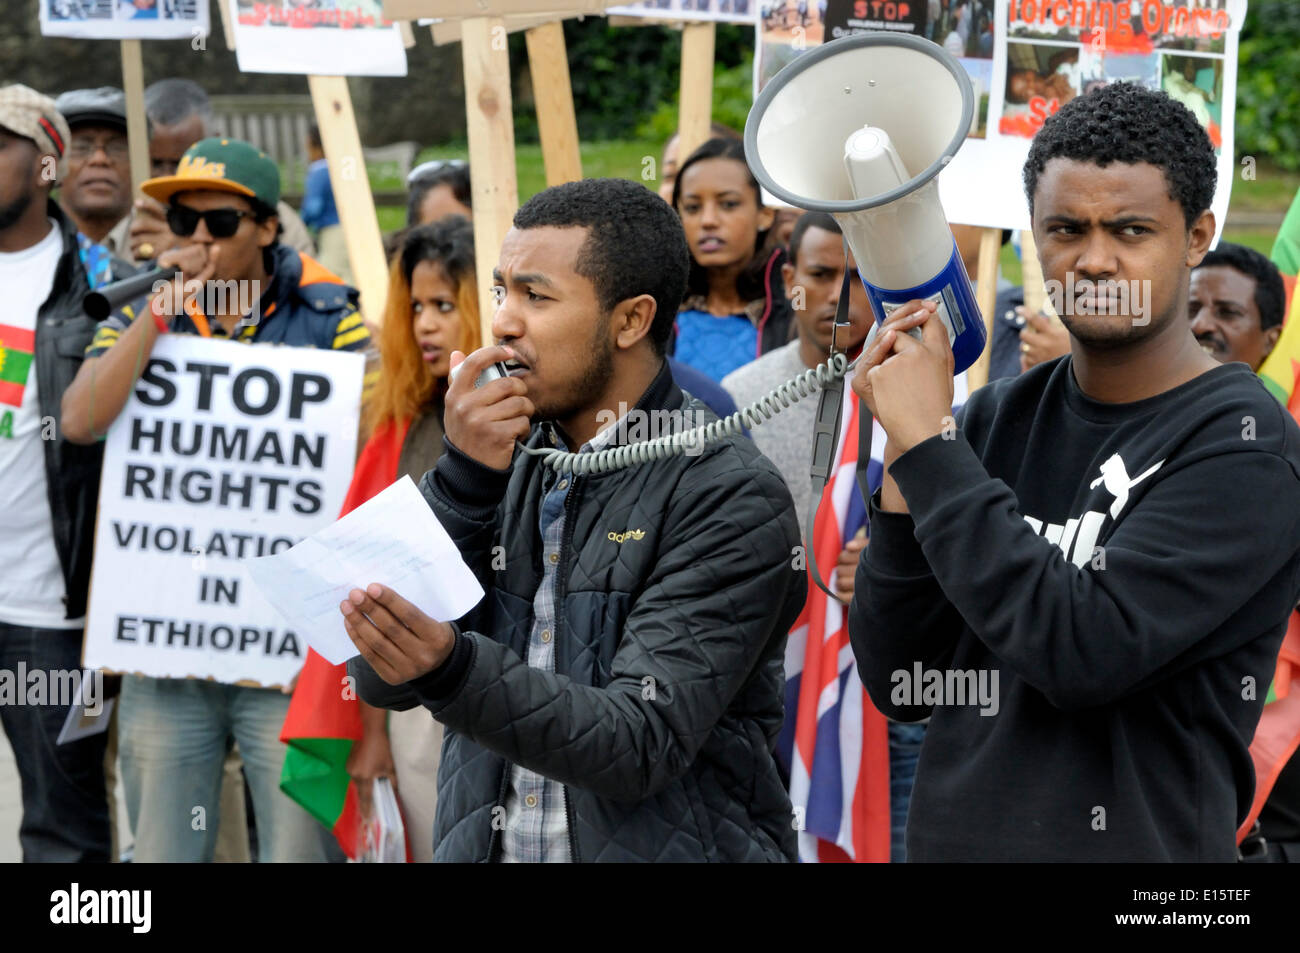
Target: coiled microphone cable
{"x": 809, "y": 382}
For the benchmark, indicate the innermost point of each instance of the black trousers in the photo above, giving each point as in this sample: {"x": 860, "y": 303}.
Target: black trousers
{"x": 65, "y": 806}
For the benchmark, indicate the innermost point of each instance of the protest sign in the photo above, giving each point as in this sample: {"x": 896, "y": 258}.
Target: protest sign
{"x": 719, "y": 11}
{"x": 353, "y": 199}
{"x": 224, "y": 452}
{"x": 125, "y": 19}
{"x": 425, "y": 10}
{"x": 1026, "y": 59}
{"x": 351, "y": 38}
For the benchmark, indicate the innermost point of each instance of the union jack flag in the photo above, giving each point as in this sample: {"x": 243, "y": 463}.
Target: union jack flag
{"x": 834, "y": 744}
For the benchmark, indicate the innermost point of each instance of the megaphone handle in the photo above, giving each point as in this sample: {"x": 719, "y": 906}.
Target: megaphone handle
{"x": 826, "y": 435}
{"x": 866, "y": 430}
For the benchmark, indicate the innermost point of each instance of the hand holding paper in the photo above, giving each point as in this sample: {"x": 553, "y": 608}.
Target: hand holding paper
{"x": 394, "y": 540}
{"x": 398, "y": 640}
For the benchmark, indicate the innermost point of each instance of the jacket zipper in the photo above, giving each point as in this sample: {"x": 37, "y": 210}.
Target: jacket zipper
{"x": 494, "y": 841}
{"x": 566, "y": 539}
{"x": 68, "y": 273}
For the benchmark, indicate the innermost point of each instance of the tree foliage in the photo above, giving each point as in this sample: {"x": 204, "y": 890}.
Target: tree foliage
{"x": 621, "y": 75}
{"x": 1268, "y": 83}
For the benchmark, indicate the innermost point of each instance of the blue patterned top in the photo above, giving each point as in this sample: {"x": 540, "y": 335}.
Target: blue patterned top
{"x": 715, "y": 346}
{"x": 98, "y": 261}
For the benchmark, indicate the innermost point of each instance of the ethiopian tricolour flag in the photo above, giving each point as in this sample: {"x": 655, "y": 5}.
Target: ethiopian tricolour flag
{"x": 1281, "y": 368}
{"x": 324, "y": 718}
{"x": 16, "y": 348}
{"x": 1278, "y": 736}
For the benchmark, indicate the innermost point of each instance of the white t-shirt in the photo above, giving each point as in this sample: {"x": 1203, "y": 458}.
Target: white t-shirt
{"x": 31, "y": 580}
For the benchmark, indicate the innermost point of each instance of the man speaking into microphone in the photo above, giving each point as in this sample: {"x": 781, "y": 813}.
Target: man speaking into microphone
{"x": 616, "y": 694}
{"x": 1076, "y": 544}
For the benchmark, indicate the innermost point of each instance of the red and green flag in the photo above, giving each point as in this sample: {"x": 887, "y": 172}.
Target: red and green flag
{"x": 1278, "y": 735}
{"x": 324, "y": 718}
{"x": 17, "y": 346}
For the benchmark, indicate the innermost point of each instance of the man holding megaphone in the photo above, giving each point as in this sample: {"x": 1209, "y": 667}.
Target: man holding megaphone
{"x": 617, "y": 693}
{"x": 1068, "y": 545}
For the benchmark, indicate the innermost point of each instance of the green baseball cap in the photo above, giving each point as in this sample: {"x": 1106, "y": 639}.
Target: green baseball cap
{"x": 222, "y": 165}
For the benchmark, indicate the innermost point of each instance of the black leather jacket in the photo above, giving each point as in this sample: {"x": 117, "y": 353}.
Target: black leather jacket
{"x": 676, "y": 574}
{"x": 63, "y": 331}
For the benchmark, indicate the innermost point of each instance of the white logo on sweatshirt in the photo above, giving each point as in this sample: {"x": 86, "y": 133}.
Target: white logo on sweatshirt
{"x": 1115, "y": 476}
{"x": 1077, "y": 539}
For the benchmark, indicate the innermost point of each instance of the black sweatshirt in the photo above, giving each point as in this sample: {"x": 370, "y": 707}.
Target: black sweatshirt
{"x": 1127, "y": 571}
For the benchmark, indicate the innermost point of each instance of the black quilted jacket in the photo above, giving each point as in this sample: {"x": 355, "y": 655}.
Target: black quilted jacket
{"x": 666, "y": 699}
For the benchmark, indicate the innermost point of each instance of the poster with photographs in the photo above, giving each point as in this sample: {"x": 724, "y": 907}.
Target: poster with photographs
{"x": 124, "y": 19}
{"x": 963, "y": 27}
{"x": 1055, "y": 54}
{"x": 721, "y": 11}
{"x": 1028, "y": 58}
{"x": 317, "y": 37}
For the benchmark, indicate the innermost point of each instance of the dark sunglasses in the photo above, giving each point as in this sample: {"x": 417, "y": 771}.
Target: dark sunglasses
{"x": 221, "y": 222}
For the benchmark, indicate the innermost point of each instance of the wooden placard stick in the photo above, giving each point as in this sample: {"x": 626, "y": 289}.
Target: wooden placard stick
{"x": 356, "y": 205}
{"x": 491, "y": 133}
{"x": 986, "y": 293}
{"x": 1032, "y": 275}
{"x": 557, "y": 125}
{"x": 137, "y": 127}
{"x": 227, "y": 28}
{"x": 341, "y": 143}
{"x": 696, "y": 97}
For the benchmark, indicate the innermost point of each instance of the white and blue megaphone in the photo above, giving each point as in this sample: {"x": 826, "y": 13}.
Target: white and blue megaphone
{"x": 861, "y": 128}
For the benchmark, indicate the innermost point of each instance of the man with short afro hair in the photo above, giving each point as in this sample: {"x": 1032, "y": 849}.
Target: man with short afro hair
{"x": 1059, "y": 584}
{"x": 641, "y": 251}
{"x": 617, "y": 693}
{"x": 1158, "y": 131}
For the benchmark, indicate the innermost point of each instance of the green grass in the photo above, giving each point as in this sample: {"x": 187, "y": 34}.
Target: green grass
{"x": 1271, "y": 189}
{"x": 391, "y": 218}
{"x": 613, "y": 159}
{"x": 617, "y": 159}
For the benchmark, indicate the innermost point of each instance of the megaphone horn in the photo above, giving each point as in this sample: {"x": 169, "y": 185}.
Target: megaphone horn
{"x": 860, "y": 128}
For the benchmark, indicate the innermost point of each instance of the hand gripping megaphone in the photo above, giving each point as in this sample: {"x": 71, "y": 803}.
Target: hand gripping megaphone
{"x": 861, "y": 128}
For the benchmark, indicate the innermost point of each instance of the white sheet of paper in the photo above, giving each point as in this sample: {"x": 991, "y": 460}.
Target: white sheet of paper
{"x": 392, "y": 539}
{"x": 80, "y": 725}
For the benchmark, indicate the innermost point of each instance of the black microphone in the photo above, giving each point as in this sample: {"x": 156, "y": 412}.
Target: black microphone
{"x": 102, "y": 302}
